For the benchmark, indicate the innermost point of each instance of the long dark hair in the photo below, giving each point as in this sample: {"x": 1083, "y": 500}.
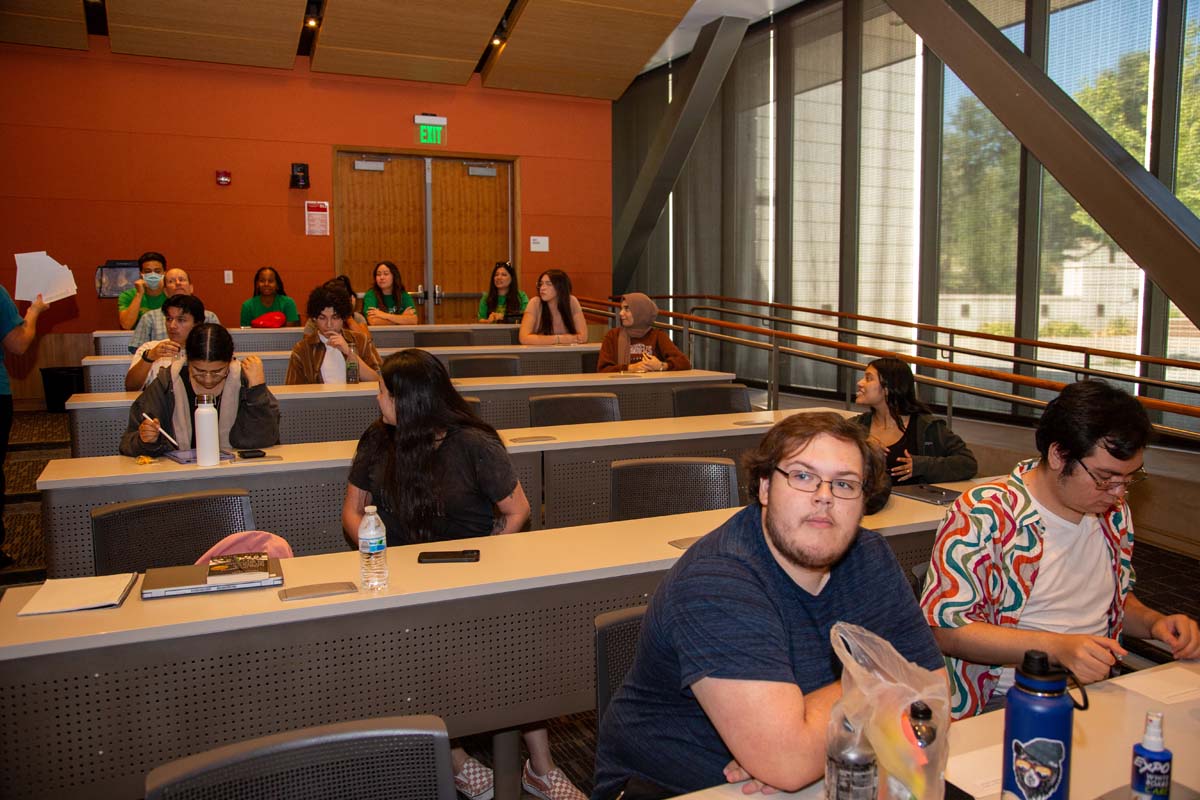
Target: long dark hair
{"x": 512, "y": 300}
{"x": 427, "y": 405}
{"x": 900, "y": 389}
{"x": 279, "y": 290}
{"x": 562, "y": 287}
{"x": 397, "y": 284}
{"x": 208, "y": 342}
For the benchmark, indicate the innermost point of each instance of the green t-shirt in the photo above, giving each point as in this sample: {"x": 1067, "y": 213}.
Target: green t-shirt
{"x": 501, "y": 302}
{"x": 253, "y": 308}
{"x": 389, "y": 301}
{"x": 149, "y": 301}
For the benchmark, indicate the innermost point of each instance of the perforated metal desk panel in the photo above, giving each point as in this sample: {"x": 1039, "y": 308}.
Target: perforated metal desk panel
{"x": 255, "y": 340}
{"x": 94, "y": 700}
{"x": 332, "y": 412}
{"x": 107, "y": 373}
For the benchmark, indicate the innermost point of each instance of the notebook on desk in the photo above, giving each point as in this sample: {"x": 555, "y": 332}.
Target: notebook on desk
{"x": 193, "y": 579}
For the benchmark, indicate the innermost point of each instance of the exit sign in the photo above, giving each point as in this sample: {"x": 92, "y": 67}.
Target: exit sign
{"x": 431, "y": 134}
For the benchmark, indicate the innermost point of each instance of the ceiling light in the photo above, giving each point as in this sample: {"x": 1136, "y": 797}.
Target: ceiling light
{"x": 311, "y": 22}
{"x": 496, "y": 41}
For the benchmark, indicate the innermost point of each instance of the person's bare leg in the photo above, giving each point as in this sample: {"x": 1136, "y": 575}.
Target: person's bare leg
{"x": 538, "y": 742}
{"x": 458, "y": 757}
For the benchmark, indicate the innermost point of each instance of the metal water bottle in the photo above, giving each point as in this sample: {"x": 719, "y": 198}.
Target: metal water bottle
{"x": 1037, "y": 731}
{"x": 208, "y": 446}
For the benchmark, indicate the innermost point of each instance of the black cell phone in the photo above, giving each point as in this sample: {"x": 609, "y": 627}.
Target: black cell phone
{"x": 251, "y": 453}
{"x": 447, "y": 556}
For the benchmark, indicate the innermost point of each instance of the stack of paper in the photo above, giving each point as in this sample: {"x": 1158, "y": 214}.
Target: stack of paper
{"x": 38, "y": 273}
{"x": 76, "y": 594}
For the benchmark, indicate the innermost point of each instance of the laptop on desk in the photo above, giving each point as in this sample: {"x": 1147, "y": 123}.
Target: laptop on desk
{"x": 193, "y": 579}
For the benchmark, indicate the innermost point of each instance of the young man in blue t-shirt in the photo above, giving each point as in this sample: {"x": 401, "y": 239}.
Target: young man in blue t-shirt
{"x": 734, "y": 675}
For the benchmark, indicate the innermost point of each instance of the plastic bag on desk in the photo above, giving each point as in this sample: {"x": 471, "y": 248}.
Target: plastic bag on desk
{"x": 879, "y": 688}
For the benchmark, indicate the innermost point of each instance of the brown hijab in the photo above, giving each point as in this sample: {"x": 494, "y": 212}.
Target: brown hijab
{"x": 643, "y": 311}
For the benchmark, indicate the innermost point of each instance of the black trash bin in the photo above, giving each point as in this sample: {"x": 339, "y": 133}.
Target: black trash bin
{"x": 59, "y": 383}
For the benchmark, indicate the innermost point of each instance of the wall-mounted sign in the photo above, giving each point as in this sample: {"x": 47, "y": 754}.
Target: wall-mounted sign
{"x": 316, "y": 218}
{"x": 539, "y": 244}
{"x": 431, "y": 134}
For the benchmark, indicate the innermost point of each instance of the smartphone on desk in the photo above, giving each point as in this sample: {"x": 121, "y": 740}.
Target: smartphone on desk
{"x": 447, "y": 556}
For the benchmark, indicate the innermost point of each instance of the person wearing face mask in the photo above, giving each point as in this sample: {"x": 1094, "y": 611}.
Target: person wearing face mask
{"x": 636, "y": 346}
{"x": 147, "y": 292}
{"x": 247, "y": 412}
{"x": 321, "y": 355}
{"x": 152, "y": 327}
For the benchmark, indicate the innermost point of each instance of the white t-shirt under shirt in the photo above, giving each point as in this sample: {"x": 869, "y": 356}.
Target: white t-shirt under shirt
{"x": 1075, "y": 583}
{"x": 333, "y": 365}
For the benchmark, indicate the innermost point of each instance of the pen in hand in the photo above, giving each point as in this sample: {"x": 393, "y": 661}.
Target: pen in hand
{"x": 170, "y": 438}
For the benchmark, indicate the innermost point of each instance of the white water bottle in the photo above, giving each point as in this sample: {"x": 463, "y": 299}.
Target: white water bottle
{"x": 208, "y": 448}
{"x": 372, "y": 549}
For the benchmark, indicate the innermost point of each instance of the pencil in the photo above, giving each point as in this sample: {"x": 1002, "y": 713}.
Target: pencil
{"x": 170, "y": 438}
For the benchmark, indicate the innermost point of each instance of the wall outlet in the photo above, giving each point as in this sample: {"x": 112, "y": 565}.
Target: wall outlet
{"x": 229, "y": 276}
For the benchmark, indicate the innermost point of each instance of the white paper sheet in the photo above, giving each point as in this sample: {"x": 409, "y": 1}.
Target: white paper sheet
{"x": 978, "y": 773}
{"x": 1173, "y": 684}
{"x": 77, "y": 594}
{"x": 38, "y": 273}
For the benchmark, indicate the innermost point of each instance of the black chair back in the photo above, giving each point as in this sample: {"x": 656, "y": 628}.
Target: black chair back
{"x": 442, "y": 338}
{"x": 483, "y": 366}
{"x": 616, "y": 644}
{"x": 573, "y": 409}
{"x": 710, "y": 398}
{"x": 652, "y": 487}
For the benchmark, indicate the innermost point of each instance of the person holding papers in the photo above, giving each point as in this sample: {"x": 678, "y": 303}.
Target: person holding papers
{"x": 147, "y": 292}
{"x": 18, "y": 333}
{"x": 247, "y": 412}
{"x": 436, "y": 472}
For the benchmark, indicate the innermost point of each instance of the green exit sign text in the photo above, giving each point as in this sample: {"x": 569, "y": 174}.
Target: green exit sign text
{"x": 431, "y": 134}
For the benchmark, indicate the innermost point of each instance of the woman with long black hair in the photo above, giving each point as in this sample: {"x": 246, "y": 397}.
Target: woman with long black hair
{"x": 436, "y": 472}
{"x": 554, "y": 316}
{"x": 503, "y": 300}
{"x": 386, "y": 302}
{"x": 920, "y": 448}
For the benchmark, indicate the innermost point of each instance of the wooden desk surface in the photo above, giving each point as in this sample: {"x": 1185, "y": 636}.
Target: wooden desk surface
{"x": 564, "y": 383}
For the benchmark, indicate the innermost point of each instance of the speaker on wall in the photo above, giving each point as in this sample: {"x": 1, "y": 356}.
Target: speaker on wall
{"x": 299, "y": 176}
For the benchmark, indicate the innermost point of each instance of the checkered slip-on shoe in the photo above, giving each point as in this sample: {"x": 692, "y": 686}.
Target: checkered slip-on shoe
{"x": 474, "y": 781}
{"x": 552, "y": 786}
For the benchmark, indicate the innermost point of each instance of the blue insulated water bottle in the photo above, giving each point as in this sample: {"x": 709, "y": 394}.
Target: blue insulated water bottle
{"x": 1037, "y": 732}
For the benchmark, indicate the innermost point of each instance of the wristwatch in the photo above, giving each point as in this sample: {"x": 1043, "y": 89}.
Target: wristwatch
{"x": 146, "y": 356}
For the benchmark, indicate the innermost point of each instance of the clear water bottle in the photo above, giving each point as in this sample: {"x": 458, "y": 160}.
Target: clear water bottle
{"x": 372, "y": 549}
{"x": 351, "y": 363}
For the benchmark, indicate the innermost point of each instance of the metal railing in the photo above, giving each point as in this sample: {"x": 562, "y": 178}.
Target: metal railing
{"x": 776, "y": 344}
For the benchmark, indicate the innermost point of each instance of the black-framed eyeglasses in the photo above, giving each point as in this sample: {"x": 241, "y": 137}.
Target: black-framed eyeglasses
{"x": 1109, "y": 485}
{"x": 840, "y": 488}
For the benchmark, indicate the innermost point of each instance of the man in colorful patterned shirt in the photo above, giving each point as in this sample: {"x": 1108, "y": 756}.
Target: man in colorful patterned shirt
{"x": 1042, "y": 559}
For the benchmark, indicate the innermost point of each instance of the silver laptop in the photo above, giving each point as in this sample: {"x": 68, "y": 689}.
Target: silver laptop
{"x": 193, "y": 579}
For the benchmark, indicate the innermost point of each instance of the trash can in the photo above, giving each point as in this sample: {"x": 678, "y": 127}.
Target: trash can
{"x": 59, "y": 383}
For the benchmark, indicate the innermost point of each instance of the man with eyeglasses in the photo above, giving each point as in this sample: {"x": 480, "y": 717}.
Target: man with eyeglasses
{"x": 1043, "y": 559}
{"x": 734, "y": 675}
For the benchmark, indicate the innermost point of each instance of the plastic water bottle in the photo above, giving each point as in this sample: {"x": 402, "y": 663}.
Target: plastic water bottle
{"x": 351, "y": 364}
{"x": 372, "y": 549}
{"x": 1037, "y": 731}
{"x": 850, "y": 769}
{"x": 208, "y": 450}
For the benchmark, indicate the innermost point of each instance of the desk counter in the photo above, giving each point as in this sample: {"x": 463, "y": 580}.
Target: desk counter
{"x": 107, "y": 373}
{"x": 330, "y": 412}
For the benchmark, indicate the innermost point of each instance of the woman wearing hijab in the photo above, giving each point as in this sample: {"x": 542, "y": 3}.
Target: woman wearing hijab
{"x": 637, "y": 346}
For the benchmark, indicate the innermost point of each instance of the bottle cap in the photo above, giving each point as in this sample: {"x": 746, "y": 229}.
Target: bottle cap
{"x": 1035, "y": 671}
{"x": 1152, "y": 739}
{"x": 205, "y": 400}
{"x": 920, "y": 711}
{"x": 369, "y": 509}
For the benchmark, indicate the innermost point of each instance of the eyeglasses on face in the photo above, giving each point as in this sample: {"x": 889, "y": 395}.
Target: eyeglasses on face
{"x": 208, "y": 374}
{"x": 840, "y": 488}
{"x": 1109, "y": 485}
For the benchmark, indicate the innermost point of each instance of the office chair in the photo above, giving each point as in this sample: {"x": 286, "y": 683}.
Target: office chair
{"x": 616, "y": 643}
{"x": 166, "y": 531}
{"x": 652, "y": 487}
{"x": 400, "y": 758}
{"x": 710, "y": 398}
{"x": 573, "y": 409}
{"x": 441, "y": 338}
{"x": 483, "y": 366}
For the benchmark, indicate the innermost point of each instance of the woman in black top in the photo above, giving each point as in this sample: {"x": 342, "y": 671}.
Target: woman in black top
{"x": 920, "y": 448}
{"x": 437, "y": 472}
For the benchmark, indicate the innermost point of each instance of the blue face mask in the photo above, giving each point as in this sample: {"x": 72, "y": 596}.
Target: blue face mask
{"x": 153, "y": 280}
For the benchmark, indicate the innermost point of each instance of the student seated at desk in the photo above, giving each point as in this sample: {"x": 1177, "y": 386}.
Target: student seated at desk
{"x": 180, "y": 313}
{"x": 637, "y": 346}
{"x": 503, "y": 301}
{"x": 147, "y": 292}
{"x": 554, "y": 316}
{"x": 437, "y": 472}
{"x": 153, "y": 326}
{"x": 321, "y": 355}
{"x": 920, "y": 448}
{"x": 247, "y": 412}
{"x": 269, "y": 295}
{"x": 386, "y": 302}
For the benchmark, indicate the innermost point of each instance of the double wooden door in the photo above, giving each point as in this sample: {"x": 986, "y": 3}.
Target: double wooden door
{"x": 444, "y": 222}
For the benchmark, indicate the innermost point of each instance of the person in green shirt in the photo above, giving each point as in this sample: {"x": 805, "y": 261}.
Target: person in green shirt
{"x": 502, "y": 295}
{"x": 147, "y": 292}
{"x": 386, "y": 302}
{"x": 269, "y": 295}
